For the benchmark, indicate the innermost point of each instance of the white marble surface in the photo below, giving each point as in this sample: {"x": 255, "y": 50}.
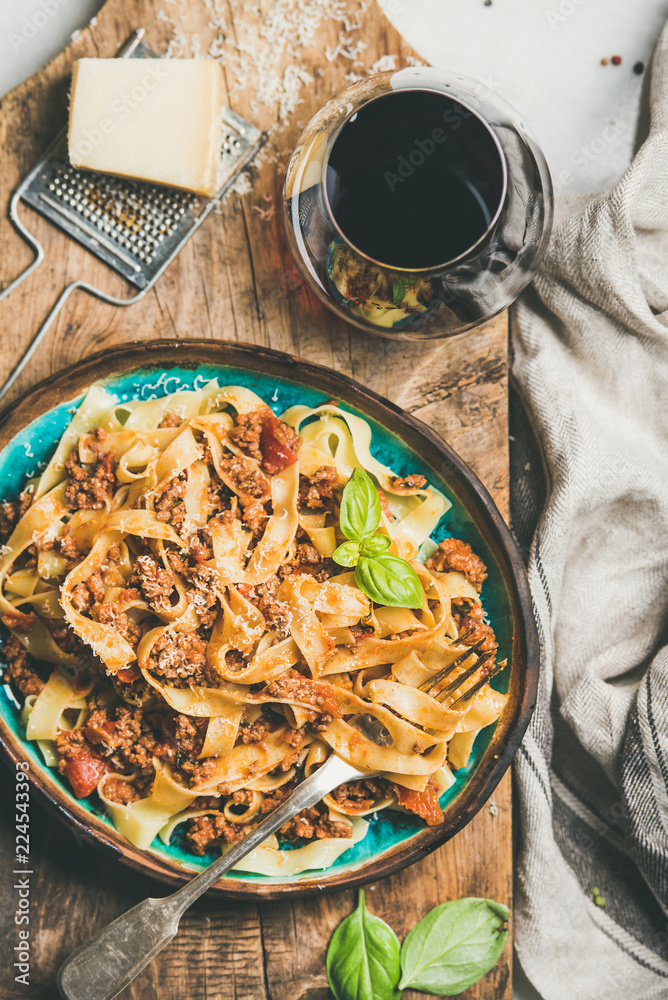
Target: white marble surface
{"x": 33, "y": 31}
{"x": 542, "y": 55}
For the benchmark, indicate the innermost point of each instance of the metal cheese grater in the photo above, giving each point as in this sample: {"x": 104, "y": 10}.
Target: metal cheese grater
{"x": 135, "y": 228}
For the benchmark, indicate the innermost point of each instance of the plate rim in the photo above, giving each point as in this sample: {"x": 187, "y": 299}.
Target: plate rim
{"x": 137, "y": 355}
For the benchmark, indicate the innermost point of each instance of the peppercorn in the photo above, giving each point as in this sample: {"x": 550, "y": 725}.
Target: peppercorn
{"x": 604, "y": 61}
{"x": 639, "y": 68}
{"x": 616, "y": 60}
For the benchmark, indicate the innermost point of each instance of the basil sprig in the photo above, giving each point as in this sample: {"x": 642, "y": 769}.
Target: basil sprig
{"x": 363, "y": 958}
{"x": 453, "y": 946}
{"x": 384, "y": 578}
{"x": 450, "y": 949}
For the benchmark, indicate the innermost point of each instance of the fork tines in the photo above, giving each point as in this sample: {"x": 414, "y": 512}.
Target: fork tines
{"x": 482, "y": 680}
{"x": 481, "y": 666}
{"x": 432, "y": 685}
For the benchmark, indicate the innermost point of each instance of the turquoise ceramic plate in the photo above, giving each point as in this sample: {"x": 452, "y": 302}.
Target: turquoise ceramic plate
{"x": 28, "y": 435}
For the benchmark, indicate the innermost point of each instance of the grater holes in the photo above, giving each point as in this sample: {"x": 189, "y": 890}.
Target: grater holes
{"x": 135, "y": 216}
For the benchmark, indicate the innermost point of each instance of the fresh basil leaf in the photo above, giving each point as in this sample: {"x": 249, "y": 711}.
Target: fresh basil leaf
{"x": 363, "y": 960}
{"x": 347, "y": 554}
{"x": 360, "y": 507}
{"x": 390, "y": 581}
{"x": 398, "y": 292}
{"x": 375, "y": 545}
{"x": 453, "y": 946}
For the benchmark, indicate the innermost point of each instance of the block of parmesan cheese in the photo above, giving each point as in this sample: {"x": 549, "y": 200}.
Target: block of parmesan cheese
{"x": 150, "y": 119}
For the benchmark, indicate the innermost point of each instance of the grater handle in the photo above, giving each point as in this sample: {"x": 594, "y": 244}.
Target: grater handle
{"x": 37, "y": 339}
{"x": 111, "y": 300}
{"x": 29, "y": 239}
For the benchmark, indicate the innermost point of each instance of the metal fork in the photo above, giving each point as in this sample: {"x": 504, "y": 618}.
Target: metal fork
{"x": 477, "y": 667}
{"x": 103, "y": 966}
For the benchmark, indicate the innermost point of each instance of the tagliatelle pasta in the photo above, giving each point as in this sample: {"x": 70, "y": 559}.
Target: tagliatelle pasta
{"x": 188, "y": 648}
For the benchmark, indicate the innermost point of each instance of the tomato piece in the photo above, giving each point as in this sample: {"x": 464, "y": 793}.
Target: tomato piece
{"x": 279, "y": 445}
{"x": 84, "y": 771}
{"x": 424, "y": 804}
{"x": 128, "y": 674}
{"x": 100, "y": 734}
{"x": 19, "y": 620}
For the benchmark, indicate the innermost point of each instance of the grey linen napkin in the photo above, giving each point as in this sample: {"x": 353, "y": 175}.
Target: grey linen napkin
{"x": 590, "y": 343}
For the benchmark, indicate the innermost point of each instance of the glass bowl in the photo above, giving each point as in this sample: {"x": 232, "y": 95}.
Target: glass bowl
{"x": 498, "y": 159}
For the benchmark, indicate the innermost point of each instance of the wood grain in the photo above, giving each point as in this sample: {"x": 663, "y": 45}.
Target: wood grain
{"x": 235, "y": 280}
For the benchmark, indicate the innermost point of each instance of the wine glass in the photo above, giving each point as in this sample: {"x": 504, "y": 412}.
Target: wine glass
{"x": 417, "y": 204}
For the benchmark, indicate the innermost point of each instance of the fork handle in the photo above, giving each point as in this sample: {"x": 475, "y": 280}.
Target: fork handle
{"x": 103, "y": 966}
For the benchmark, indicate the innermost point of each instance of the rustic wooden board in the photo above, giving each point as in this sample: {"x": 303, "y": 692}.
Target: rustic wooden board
{"x": 235, "y": 280}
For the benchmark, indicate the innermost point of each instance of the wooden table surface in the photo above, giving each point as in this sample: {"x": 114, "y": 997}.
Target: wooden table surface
{"x": 236, "y": 281}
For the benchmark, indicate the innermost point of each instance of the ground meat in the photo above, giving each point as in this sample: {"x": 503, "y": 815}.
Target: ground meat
{"x": 18, "y": 670}
{"x": 408, "y": 484}
{"x": 234, "y": 660}
{"x": 201, "y": 547}
{"x": 186, "y": 733}
{"x": 202, "y": 771}
{"x": 155, "y": 583}
{"x": 312, "y": 824}
{"x": 279, "y": 445}
{"x": 82, "y": 765}
{"x": 82, "y": 599}
{"x": 254, "y": 516}
{"x": 88, "y": 592}
{"x": 246, "y": 433}
{"x": 180, "y": 656}
{"x": 294, "y": 737}
{"x": 307, "y": 560}
{"x": 66, "y": 546}
{"x": 469, "y": 618}
{"x": 246, "y": 479}
{"x": 132, "y": 687}
{"x": 11, "y": 511}
{"x": 202, "y": 594}
{"x": 69, "y": 641}
{"x": 270, "y": 802}
{"x": 123, "y": 792}
{"x": 296, "y": 687}
{"x": 242, "y": 797}
{"x": 170, "y": 419}
{"x": 322, "y": 721}
{"x": 358, "y": 796}
{"x": 454, "y": 554}
{"x": 288, "y": 761}
{"x": 111, "y": 614}
{"x": 90, "y": 488}
{"x": 129, "y": 735}
{"x": 169, "y": 505}
{"x": 317, "y": 491}
{"x": 206, "y": 831}
{"x": 99, "y": 731}
{"x": 118, "y": 734}
{"x": 177, "y": 563}
{"x": 255, "y": 732}
{"x": 276, "y": 613}
{"x": 68, "y": 745}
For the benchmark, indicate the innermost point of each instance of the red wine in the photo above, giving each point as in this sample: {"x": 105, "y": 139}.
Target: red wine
{"x": 414, "y": 179}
